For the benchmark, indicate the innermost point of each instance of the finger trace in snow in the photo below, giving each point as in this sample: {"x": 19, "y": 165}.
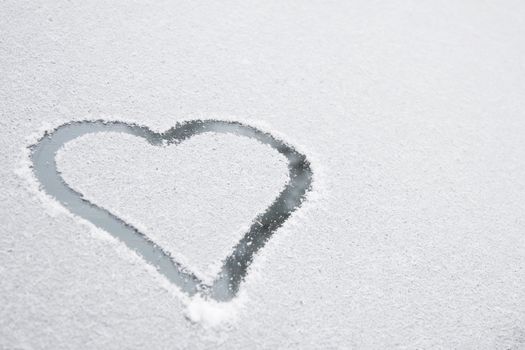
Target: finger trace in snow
{"x": 72, "y": 159}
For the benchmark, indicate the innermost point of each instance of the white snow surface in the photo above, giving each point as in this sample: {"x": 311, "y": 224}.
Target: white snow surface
{"x": 196, "y": 199}
{"x": 412, "y": 114}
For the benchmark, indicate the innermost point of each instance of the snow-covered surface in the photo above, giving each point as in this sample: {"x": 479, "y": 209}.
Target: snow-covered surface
{"x": 412, "y": 114}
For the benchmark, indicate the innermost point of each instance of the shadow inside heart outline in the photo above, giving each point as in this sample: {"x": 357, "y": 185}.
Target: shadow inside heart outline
{"x": 235, "y": 266}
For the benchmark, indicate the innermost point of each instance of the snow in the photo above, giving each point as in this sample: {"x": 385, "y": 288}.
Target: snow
{"x": 212, "y": 314}
{"x": 411, "y": 114}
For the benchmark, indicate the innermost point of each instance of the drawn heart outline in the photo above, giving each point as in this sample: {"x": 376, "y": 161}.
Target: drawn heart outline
{"x": 235, "y": 266}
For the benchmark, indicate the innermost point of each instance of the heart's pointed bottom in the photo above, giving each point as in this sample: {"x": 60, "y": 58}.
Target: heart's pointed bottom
{"x": 235, "y": 266}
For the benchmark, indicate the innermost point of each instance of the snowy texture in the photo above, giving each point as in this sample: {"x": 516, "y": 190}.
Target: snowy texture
{"x": 212, "y": 314}
{"x": 412, "y": 114}
{"x": 196, "y": 199}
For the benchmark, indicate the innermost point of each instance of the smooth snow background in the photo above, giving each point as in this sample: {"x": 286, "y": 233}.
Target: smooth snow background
{"x": 412, "y": 114}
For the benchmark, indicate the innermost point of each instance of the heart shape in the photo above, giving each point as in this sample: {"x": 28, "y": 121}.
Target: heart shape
{"x": 235, "y": 266}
